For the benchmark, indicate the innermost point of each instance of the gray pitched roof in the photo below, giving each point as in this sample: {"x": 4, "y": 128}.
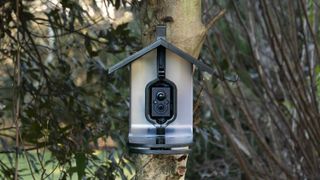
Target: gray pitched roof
{"x": 167, "y": 45}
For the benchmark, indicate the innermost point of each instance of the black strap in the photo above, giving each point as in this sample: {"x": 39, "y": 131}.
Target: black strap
{"x": 161, "y": 62}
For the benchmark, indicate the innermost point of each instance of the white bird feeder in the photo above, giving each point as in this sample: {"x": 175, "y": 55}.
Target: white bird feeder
{"x": 161, "y": 107}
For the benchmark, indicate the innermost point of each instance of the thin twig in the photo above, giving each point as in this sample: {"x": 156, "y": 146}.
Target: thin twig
{"x": 7, "y": 128}
{"x": 215, "y": 19}
{"x": 17, "y": 151}
{"x": 17, "y": 84}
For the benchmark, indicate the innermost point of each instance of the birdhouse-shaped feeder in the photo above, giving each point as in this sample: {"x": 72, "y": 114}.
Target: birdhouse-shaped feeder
{"x": 161, "y": 107}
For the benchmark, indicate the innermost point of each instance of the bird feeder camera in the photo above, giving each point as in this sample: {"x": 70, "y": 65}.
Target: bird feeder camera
{"x": 161, "y": 106}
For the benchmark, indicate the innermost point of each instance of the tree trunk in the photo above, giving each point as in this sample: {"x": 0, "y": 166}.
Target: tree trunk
{"x": 186, "y": 31}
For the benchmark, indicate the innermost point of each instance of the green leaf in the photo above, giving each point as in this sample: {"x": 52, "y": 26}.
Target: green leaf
{"x": 81, "y": 162}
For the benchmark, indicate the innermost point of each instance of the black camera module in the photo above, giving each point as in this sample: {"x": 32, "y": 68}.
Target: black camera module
{"x": 160, "y": 97}
{"x": 161, "y": 102}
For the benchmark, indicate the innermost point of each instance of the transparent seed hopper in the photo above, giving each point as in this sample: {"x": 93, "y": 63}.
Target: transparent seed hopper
{"x": 161, "y": 107}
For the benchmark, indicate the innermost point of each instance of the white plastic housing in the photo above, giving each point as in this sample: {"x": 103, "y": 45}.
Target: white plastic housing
{"x": 178, "y": 71}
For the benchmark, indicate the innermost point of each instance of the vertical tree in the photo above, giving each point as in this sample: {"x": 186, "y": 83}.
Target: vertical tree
{"x": 186, "y": 31}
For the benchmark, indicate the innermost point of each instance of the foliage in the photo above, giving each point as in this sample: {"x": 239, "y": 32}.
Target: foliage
{"x": 68, "y": 102}
{"x": 268, "y": 119}
{"x": 263, "y": 126}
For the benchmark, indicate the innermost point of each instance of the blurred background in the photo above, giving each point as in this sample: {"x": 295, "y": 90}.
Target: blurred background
{"x": 63, "y": 117}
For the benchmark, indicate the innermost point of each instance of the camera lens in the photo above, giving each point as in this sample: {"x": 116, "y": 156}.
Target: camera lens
{"x": 161, "y": 96}
{"x": 160, "y": 108}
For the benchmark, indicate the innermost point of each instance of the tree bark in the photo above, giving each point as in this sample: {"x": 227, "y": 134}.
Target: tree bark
{"x": 186, "y": 31}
